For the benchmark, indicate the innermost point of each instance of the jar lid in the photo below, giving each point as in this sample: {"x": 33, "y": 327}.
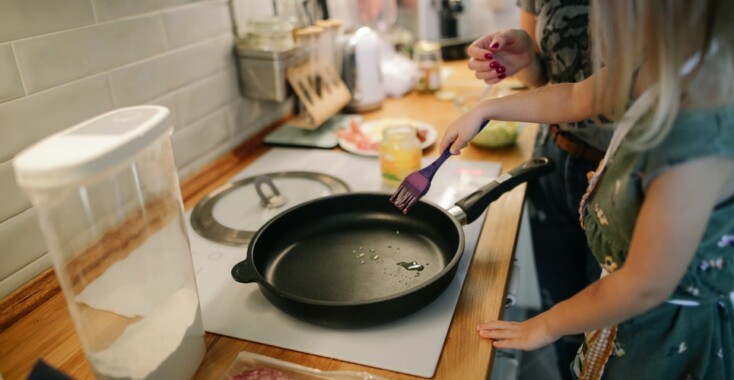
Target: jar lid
{"x": 309, "y": 31}
{"x": 425, "y": 46}
{"x": 91, "y": 147}
{"x": 329, "y": 24}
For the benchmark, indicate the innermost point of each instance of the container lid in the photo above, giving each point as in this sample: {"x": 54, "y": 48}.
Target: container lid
{"x": 329, "y": 24}
{"x": 425, "y": 46}
{"x": 309, "y": 31}
{"x": 233, "y": 213}
{"x": 90, "y": 147}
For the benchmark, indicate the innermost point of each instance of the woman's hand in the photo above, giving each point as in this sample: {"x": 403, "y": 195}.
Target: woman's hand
{"x": 461, "y": 130}
{"x": 529, "y": 335}
{"x": 498, "y": 55}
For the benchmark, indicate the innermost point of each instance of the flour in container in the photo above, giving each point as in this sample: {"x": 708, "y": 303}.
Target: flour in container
{"x": 166, "y": 344}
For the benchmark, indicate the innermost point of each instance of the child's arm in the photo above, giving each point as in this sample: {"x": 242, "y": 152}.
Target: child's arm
{"x": 668, "y": 229}
{"x": 551, "y": 104}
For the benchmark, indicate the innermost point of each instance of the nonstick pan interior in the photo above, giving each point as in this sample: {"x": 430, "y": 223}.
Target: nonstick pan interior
{"x": 354, "y": 249}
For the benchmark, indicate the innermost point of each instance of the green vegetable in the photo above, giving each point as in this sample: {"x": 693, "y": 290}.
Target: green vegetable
{"x": 497, "y": 134}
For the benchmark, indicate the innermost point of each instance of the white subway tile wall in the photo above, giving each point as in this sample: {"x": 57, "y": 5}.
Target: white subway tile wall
{"x": 54, "y": 59}
{"x": 64, "y": 61}
{"x": 14, "y": 201}
{"x": 10, "y": 85}
{"x": 20, "y": 235}
{"x": 22, "y": 18}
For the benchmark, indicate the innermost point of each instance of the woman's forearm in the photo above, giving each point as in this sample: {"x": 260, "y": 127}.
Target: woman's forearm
{"x": 551, "y": 104}
{"x": 607, "y": 302}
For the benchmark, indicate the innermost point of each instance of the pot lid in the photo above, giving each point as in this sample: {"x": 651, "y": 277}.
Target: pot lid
{"x": 233, "y": 213}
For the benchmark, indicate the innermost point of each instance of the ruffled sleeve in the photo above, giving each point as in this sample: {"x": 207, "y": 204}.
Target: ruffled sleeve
{"x": 696, "y": 134}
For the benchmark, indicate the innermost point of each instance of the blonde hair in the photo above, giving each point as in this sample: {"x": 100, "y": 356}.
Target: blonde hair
{"x": 643, "y": 42}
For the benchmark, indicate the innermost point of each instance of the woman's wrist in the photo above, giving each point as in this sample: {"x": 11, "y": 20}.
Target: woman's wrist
{"x": 485, "y": 110}
{"x": 534, "y": 75}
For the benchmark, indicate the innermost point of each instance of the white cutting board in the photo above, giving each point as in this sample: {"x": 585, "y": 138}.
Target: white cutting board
{"x": 410, "y": 345}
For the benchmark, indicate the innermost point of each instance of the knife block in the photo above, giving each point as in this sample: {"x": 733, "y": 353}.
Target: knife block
{"x": 321, "y": 91}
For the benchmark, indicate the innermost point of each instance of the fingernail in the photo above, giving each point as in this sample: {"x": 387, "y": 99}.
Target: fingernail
{"x": 495, "y": 45}
{"x": 488, "y": 56}
{"x": 501, "y": 70}
{"x": 494, "y": 64}
{"x": 502, "y": 76}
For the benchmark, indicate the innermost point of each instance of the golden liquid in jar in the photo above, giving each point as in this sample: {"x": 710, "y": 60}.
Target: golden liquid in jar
{"x": 400, "y": 154}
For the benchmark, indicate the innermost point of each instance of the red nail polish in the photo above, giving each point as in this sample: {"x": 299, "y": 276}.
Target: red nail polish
{"x": 502, "y": 76}
{"x": 494, "y": 64}
{"x": 501, "y": 70}
{"x": 495, "y": 45}
{"x": 488, "y": 56}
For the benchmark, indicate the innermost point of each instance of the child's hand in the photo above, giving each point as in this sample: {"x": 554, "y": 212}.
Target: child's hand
{"x": 529, "y": 335}
{"x": 498, "y": 55}
{"x": 461, "y": 130}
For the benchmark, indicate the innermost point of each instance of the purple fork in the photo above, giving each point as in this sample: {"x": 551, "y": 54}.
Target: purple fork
{"x": 416, "y": 184}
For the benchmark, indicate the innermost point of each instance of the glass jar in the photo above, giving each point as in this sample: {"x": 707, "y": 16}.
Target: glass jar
{"x": 400, "y": 154}
{"x": 427, "y": 57}
{"x": 270, "y": 34}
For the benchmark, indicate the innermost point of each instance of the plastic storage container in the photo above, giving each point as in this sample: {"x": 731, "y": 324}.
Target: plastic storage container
{"x": 107, "y": 196}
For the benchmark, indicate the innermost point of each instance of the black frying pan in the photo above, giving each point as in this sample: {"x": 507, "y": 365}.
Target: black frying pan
{"x": 354, "y": 259}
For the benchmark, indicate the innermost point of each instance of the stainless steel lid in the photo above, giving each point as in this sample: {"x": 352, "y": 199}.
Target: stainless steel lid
{"x": 233, "y": 213}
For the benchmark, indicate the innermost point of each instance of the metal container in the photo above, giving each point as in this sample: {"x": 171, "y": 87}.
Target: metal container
{"x": 262, "y": 73}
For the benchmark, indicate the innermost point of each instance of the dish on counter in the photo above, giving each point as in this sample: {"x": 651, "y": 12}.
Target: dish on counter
{"x": 498, "y": 134}
{"x": 364, "y": 138}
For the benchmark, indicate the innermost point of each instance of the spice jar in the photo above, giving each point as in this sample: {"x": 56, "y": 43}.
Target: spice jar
{"x": 270, "y": 34}
{"x": 427, "y": 57}
{"x": 400, "y": 154}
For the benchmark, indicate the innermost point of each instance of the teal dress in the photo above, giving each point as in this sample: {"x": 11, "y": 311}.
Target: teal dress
{"x": 691, "y": 336}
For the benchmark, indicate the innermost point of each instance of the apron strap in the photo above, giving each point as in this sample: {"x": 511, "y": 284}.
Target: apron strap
{"x": 638, "y": 108}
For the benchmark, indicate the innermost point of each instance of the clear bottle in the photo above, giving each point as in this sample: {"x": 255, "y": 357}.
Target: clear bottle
{"x": 400, "y": 154}
{"x": 427, "y": 57}
{"x": 107, "y": 197}
{"x": 270, "y": 34}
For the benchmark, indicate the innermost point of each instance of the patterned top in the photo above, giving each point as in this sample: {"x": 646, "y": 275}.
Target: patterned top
{"x": 692, "y": 335}
{"x": 562, "y": 30}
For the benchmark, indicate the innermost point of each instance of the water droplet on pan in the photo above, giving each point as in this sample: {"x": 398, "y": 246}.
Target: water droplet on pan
{"x": 411, "y": 265}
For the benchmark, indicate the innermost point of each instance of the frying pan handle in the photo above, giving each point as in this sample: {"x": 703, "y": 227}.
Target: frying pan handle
{"x": 475, "y": 203}
{"x": 244, "y": 272}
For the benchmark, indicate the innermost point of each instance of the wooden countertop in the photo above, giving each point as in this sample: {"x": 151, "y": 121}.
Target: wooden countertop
{"x": 35, "y": 322}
